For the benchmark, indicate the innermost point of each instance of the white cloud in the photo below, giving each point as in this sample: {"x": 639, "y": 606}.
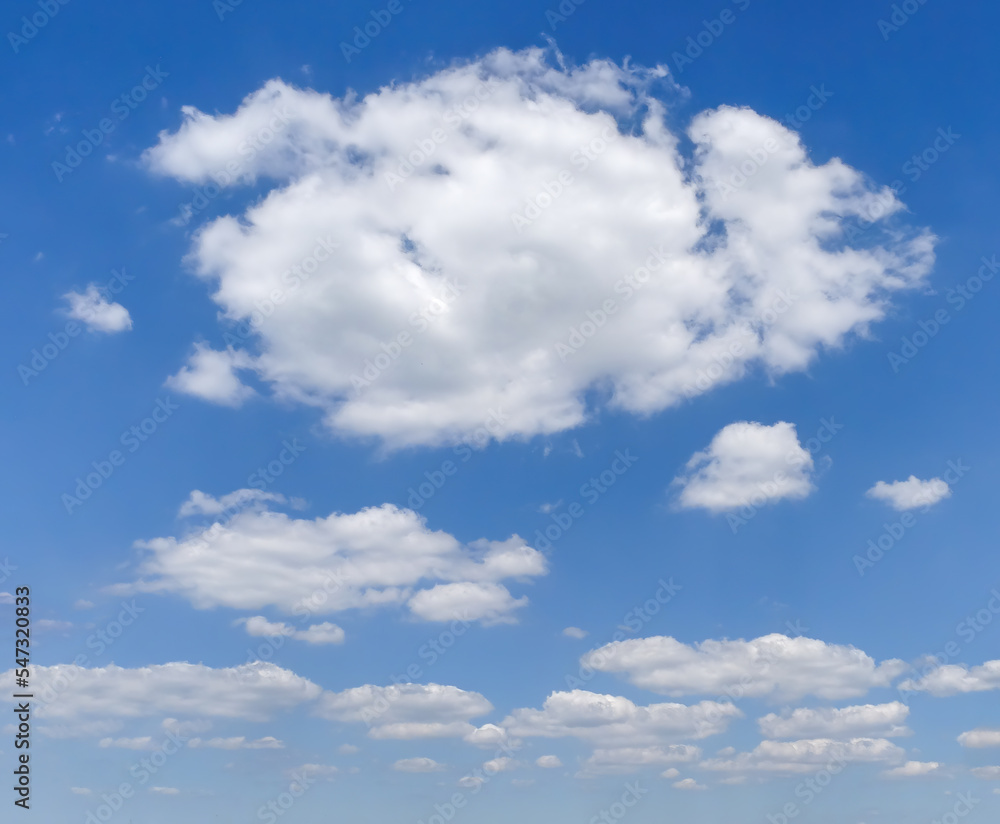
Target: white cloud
{"x": 874, "y": 720}
{"x": 80, "y": 790}
{"x": 670, "y": 772}
{"x": 617, "y": 760}
{"x": 6, "y": 598}
{"x": 575, "y": 632}
{"x": 548, "y": 762}
{"x": 625, "y": 736}
{"x": 689, "y": 784}
{"x": 912, "y": 769}
{"x": 50, "y": 625}
{"x": 201, "y": 503}
{"x": 770, "y": 666}
{"x": 96, "y": 312}
{"x": 164, "y": 790}
{"x": 745, "y": 463}
{"x": 406, "y": 711}
{"x": 378, "y": 557}
{"x": 418, "y": 765}
{"x": 348, "y": 749}
{"x": 980, "y": 738}
{"x": 951, "y": 679}
{"x": 990, "y": 773}
{"x": 251, "y": 691}
{"x": 807, "y": 755}
{"x": 145, "y": 742}
{"x": 487, "y": 602}
{"x": 761, "y": 277}
{"x": 911, "y": 493}
{"x": 503, "y": 763}
{"x": 326, "y": 633}
{"x": 324, "y": 771}
{"x": 210, "y": 374}
{"x": 81, "y": 603}
{"x": 236, "y": 743}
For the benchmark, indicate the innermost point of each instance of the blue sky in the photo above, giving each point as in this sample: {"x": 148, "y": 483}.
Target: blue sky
{"x": 834, "y": 300}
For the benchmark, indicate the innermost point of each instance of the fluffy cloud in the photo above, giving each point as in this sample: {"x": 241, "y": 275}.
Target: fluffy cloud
{"x": 770, "y": 666}
{"x": 912, "y": 769}
{"x": 626, "y": 736}
{"x": 97, "y": 312}
{"x": 407, "y": 711}
{"x": 417, "y": 765}
{"x": 951, "y": 679}
{"x": 521, "y": 234}
{"x": 325, "y": 633}
{"x": 211, "y": 375}
{"x": 881, "y": 720}
{"x": 689, "y": 784}
{"x": 980, "y": 738}
{"x": 251, "y": 691}
{"x": 911, "y": 493}
{"x": 746, "y": 462}
{"x": 548, "y": 762}
{"x": 378, "y": 557}
{"x": 807, "y": 755}
{"x": 486, "y": 602}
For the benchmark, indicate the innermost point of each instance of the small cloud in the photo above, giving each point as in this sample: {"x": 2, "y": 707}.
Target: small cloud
{"x": 746, "y": 464}
{"x": 48, "y": 625}
{"x": 912, "y": 769}
{"x": 210, "y": 374}
{"x": 980, "y": 738}
{"x": 6, "y": 598}
{"x": 522, "y": 782}
{"x": 689, "y": 784}
{"x": 545, "y": 509}
{"x": 348, "y": 749}
{"x": 576, "y": 448}
{"x": 259, "y": 627}
{"x": 99, "y": 314}
{"x": 548, "y": 762}
{"x": 325, "y": 771}
{"x": 990, "y": 773}
{"x": 83, "y": 603}
{"x": 80, "y": 790}
{"x": 911, "y": 493}
{"x": 672, "y": 772}
{"x": 164, "y": 790}
{"x": 575, "y": 632}
{"x": 417, "y": 765}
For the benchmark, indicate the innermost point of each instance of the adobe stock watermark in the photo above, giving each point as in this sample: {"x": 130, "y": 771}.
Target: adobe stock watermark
{"x": 958, "y": 297}
{"x": 808, "y": 791}
{"x": 562, "y": 12}
{"x": 635, "y": 619}
{"x": 894, "y": 532}
{"x": 420, "y": 321}
{"x": 121, "y": 107}
{"x": 131, "y": 439}
{"x": 58, "y": 342}
{"x": 47, "y": 9}
{"x": 967, "y": 630}
{"x": 591, "y": 492}
{"x": 425, "y": 148}
{"x": 235, "y": 169}
{"x": 767, "y": 490}
{"x": 626, "y": 287}
{"x": 552, "y": 190}
{"x": 142, "y": 771}
{"x": 363, "y": 35}
{"x": 900, "y": 16}
{"x": 710, "y": 32}
{"x": 435, "y": 479}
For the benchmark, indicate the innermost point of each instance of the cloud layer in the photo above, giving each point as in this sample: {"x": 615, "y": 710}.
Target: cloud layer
{"x": 513, "y": 236}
